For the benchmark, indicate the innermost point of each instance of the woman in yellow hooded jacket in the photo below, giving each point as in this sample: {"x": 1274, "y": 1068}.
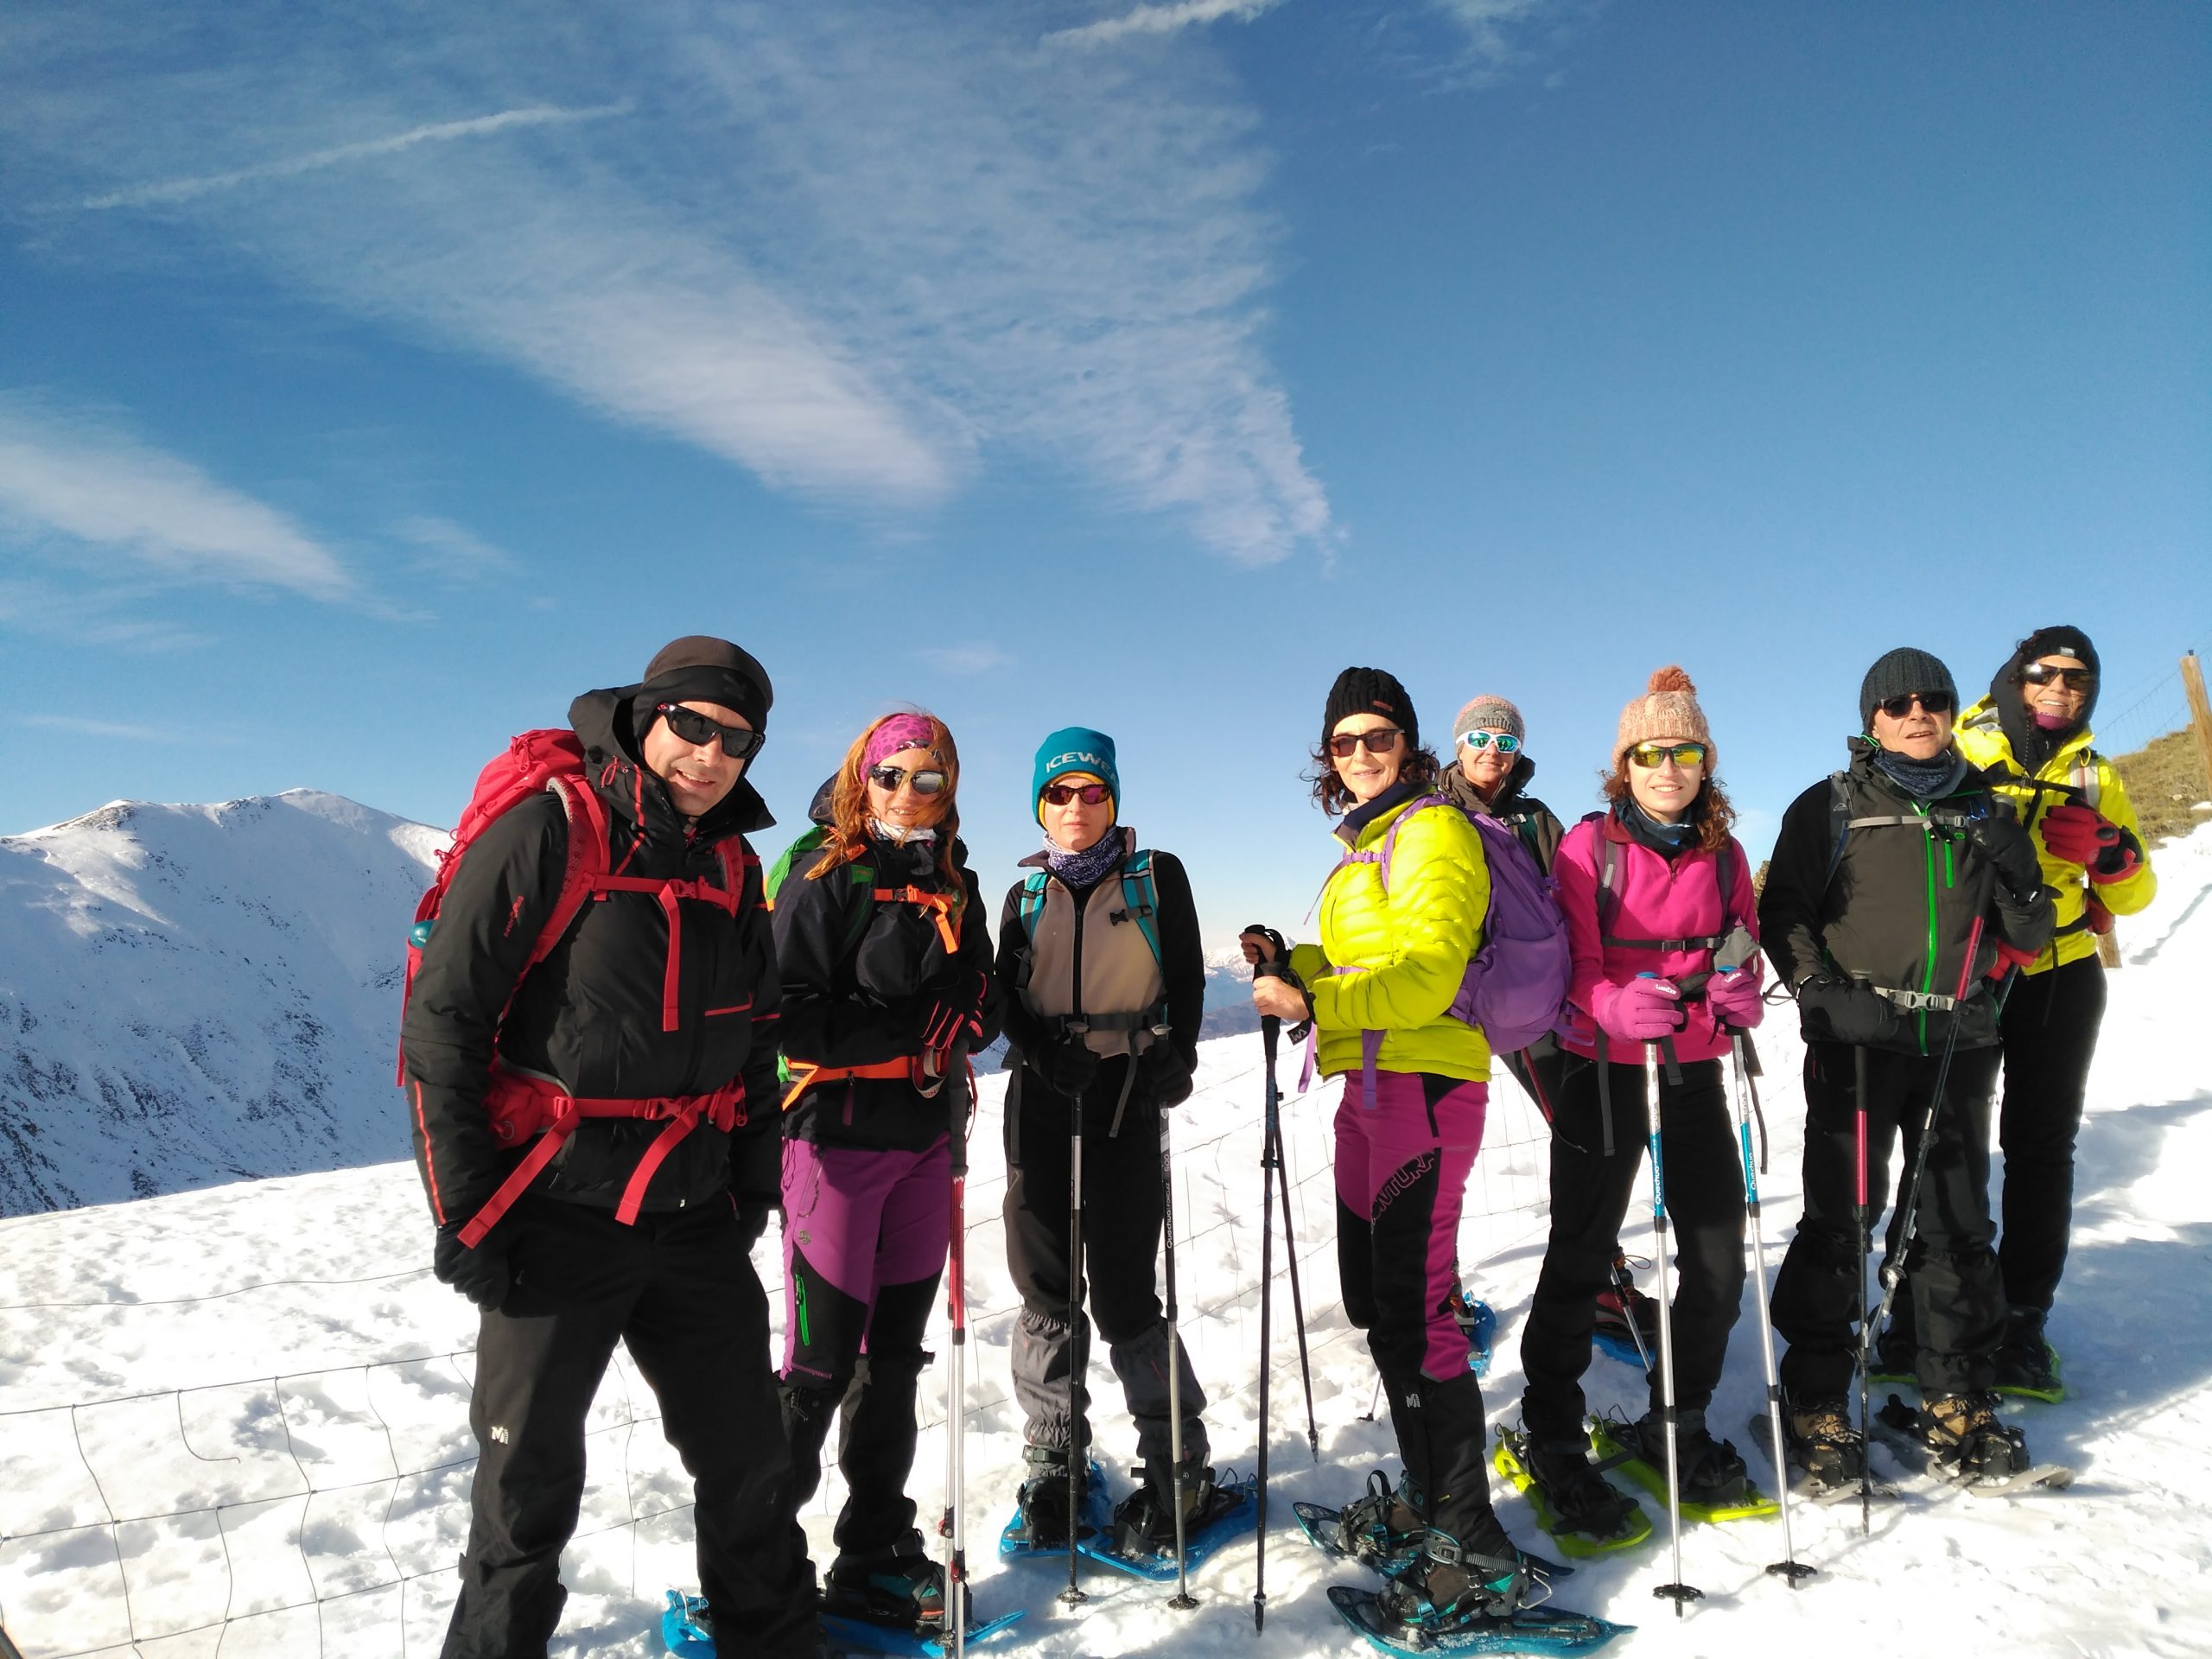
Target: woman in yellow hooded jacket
{"x": 1395, "y": 939}
{"x": 2032, "y": 732}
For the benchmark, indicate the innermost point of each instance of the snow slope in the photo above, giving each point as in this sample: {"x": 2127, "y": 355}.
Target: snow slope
{"x": 198, "y": 994}
{"x": 244, "y": 1346}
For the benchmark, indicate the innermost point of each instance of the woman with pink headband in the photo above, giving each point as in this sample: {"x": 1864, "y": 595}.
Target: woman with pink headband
{"x": 887, "y": 983}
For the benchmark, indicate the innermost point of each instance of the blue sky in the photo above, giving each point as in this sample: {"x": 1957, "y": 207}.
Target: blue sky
{"x": 372, "y": 379}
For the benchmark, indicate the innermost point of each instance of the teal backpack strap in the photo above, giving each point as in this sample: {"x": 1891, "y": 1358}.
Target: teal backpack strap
{"x": 1141, "y": 894}
{"x": 1032, "y": 901}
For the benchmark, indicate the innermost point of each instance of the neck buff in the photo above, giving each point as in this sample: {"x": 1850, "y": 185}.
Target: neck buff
{"x": 1669, "y": 837}
{"x": 1090, "y": 866}
{"x": 921, "y": 834}
{"x": 1924, "y": 780}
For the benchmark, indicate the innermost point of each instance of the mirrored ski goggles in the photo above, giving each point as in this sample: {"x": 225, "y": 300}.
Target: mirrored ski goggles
{"x": 1381, "y": 741}
{"x": 1935, "y": 702}
{"x": 1648, "y": 755}
{"x": 697, "y": 730}
{"x": 929, "y": 781}
{"x": 1505, "y": 741}
{"x": 2081, "y": 679}
{"x": 1061, "y": 794}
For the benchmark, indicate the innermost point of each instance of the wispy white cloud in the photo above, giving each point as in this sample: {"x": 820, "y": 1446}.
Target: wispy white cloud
{"x": 865, "y": 251}
{"x": 455, "y": 554}
{"x": 974, "y": 657}
{"x": 83, "y": 479}
{"x": 1161, "y": 20}
{"x": 148, "y": 195}
{"x": 119, "y": 731}
{"x": 1493, "y": 32}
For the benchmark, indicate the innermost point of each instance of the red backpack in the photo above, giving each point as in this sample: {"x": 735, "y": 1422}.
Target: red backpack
{"x": 519, "y": 1107}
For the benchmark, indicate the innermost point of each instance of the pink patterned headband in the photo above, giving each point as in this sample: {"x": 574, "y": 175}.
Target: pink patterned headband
{"x": 900, "y": 732}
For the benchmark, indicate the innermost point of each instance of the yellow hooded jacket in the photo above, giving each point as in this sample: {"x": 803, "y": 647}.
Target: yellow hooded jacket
{"x": 2075, "y": 772}
{"x": 1393, "y": 961}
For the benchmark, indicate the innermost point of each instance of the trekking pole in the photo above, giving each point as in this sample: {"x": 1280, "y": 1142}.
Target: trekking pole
{"x": 1866, "y": 1248}
{"x": 1183, "y": 1598}
{"x": 1297, "y": 1300}
{"x": 1892, "y": 1273}
{"x": 1789, "y": 1567}
{"x": 1270, "y": 1026}
{"x": 1078, "y": 1356}
{"x": 958, "y": 1089}
{"x": 1678, "y": 1592}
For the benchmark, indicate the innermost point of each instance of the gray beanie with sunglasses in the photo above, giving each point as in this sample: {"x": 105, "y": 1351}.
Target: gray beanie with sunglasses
{"x": 700, "y": 668}
{"x": 1895, "y": 673}
{"x": 1490, "y": 713}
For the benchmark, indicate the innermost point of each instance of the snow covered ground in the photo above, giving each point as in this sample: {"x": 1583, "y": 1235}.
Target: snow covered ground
{"x": 227, "y": 1405}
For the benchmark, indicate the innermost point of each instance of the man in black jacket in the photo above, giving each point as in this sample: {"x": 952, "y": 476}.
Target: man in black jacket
{"x": 647, "y": 1031}
{"x": 1899, "y": 891}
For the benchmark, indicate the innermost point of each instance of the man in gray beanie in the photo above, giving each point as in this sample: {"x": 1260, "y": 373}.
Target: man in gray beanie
{"x": 1899, "y": 891}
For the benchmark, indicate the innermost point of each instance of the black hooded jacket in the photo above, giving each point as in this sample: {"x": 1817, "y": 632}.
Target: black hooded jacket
{"x": 590, "y": 1015}
{"x": 1894, "y": 904}
{"x": 1522, "y": 813}
{"x": 861, "y": 976}
{"x": 2030, "y": 744}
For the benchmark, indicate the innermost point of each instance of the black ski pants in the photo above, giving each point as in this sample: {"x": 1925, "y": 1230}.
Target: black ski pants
{"x": 679, "y": 1289}
{"x": 1590, "y": 1197}
{"x": 1958, "y": 1304}
{"x": 1122, "y": 1218}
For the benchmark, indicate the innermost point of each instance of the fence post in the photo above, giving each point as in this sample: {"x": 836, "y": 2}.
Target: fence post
{"x": 2200, "y": 715}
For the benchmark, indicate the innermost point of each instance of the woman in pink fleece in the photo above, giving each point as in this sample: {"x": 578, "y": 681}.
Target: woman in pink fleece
{"x": 1661, "y": 915}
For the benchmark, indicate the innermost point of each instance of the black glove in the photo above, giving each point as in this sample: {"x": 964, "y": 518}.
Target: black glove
{"x": 481, "y": 1275}
{"x": 1067, "y": 1065}
{"x": 756, "y": 1183}
{"x": 1845, "y": 1011}
{"x": 1167, "y": 1074}
{"x": 957, "y": 1009}
{"x": 2003, "y": 840}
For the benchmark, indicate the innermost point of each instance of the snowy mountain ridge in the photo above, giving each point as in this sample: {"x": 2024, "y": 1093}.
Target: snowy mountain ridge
{"x": 197, "y": 993}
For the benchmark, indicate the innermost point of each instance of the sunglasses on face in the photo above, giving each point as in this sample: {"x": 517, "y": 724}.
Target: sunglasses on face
{"x": 2081, "y": 679}
{"x": 1506, "y": 742}
{"x": 697, "y": 730}
{"x": 888, "y": 778}
{"x": 1381, "y": 740}
{"x": 1683, "y": 754}
{"x": 1061, "y": 794}
{"x": 1935, "y": 702}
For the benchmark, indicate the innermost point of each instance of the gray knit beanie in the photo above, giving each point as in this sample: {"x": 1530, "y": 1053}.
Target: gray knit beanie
{"x": 1895, "y": 672}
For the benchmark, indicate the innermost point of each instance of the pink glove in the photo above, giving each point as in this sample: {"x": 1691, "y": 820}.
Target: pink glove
{"x": 1734, "y": 999}
{"x": 2077, "y": 834}
{"x": 1642, "y": 1011}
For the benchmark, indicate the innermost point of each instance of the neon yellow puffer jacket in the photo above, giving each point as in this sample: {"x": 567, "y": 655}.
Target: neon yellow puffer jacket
{"x": 2075, "y": 772}
{"x": 1409, "y": 945}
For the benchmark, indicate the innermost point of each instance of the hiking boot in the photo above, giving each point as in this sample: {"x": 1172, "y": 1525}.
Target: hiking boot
{"x": 1382, "y": 1527}
{"x": 1711, "y": 1471}
{"x": 1622, "y": 1308}
{"x": 2025, "y": 1361}
{"x": 1041, "y": 1505}
{"x": 1144, "y": 1521}
{"x": 899, "y": 1587}
{"x": 1449, "y": 1587}
{"x": 1822, "y": 1442}
{"x": 1963, "y": 1435}
{"x": 1580, "y": 1499}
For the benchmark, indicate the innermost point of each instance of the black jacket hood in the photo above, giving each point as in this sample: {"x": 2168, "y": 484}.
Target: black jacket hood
{"x": 2030, "y": 744}
{"x": 601, "y": 722}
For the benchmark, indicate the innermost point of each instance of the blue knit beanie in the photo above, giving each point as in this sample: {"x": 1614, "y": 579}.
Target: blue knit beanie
{"x": 1075, "y": 748}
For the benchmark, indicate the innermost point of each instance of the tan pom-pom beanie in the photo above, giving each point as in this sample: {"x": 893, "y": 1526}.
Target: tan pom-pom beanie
{"x": 1668, "y": 708}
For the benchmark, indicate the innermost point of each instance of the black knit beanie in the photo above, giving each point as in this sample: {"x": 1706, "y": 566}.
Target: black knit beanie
{"x": 1898, "y": 671}
{"x": 700, "y": 668}
{"x": 2030, "y": 743}
{"x": 1371, "y": 691}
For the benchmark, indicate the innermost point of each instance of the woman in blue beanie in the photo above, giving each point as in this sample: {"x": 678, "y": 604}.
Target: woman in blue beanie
{"x": 1099, "y": 954}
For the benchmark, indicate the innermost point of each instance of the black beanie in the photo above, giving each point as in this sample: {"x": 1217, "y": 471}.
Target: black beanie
{"x": 1371, "y": 691}
{"x": 2032, "y": 744}
{"x": 700, "y": 668}
{"x": 1898, "y": 671}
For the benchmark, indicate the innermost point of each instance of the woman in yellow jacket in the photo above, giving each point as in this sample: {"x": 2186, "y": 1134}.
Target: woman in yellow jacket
{"x": 2032, "y": 731}
{"x": 1394, "y": 948}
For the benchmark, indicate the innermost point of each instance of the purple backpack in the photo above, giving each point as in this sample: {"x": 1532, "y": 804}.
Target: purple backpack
{"x": 1515, "y": 986}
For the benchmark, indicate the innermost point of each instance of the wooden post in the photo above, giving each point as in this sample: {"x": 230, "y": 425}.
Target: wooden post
{"x": 2200, "y": 715}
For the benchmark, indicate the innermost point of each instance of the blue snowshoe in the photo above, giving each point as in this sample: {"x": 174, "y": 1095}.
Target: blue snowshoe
{"x": 1141, "y": 1537}
{"x": 1453, "y": 1599}
{"x": 1039, "y": 1525}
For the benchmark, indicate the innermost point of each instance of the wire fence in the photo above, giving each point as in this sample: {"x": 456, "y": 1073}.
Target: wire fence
{"x": 327, "y": 1506}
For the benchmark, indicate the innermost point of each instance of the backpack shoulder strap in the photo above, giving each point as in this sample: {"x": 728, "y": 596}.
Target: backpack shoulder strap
{"x": 1033, "y": 887}
{"x": 587, "y": 861}
{"x": 1141, "y": 894}
{"x": 1839, "y": 821}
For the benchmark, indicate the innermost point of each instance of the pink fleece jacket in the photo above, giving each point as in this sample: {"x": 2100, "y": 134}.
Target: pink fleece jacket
{"x": 1650, "y": 900}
